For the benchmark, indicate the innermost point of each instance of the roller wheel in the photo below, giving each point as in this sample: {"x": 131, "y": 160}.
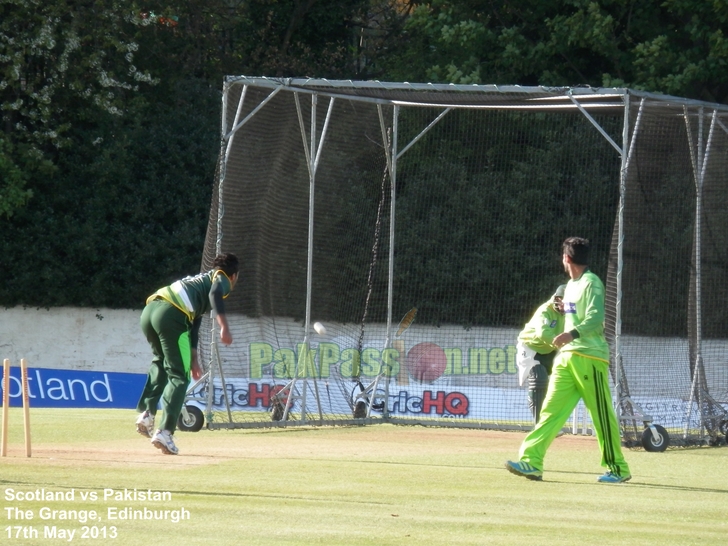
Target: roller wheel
{"x": 360, "y": 410}
{"x": 724, "y": 428}
{"x": 192, "y": 421}
{"x": 650, "y": 443}
{"x": 277, "y": 410}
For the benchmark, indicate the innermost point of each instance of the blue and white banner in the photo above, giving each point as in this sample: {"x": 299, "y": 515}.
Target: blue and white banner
{"x": 48, "y": 388}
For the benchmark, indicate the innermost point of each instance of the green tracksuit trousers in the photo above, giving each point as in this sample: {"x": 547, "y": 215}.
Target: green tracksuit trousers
{"x": 574, "y": 377}
{"x": 166, "y": 329}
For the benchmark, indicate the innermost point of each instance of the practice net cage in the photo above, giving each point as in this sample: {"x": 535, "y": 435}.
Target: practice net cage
{"x": 422, "y": 224}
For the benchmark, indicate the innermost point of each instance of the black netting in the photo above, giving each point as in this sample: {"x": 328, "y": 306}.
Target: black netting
{"x": 484, "y": 196}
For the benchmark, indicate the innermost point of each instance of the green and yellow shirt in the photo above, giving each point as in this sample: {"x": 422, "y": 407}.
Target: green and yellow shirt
{"x": 191, "y": 295}
{"x": 544, "y": 326}
{"x": 584, "y": 312}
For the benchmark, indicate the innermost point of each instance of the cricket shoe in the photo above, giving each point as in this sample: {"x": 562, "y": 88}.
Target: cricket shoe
{"x": 164, "y": 440}
{"x": 522, "y": 468}
{"x": 145, "y": 424}
{"x": 610, "y": 477}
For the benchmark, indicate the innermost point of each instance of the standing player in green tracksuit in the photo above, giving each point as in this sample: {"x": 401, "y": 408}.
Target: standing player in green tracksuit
{"x": 581, "y": 371}
{"x": 538, "y": 334}
{"x": 171, "y": 321}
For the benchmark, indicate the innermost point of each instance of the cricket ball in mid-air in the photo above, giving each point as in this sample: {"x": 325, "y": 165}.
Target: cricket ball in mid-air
{"x": 320, "y": 328}
{"x": 426, "y": 362}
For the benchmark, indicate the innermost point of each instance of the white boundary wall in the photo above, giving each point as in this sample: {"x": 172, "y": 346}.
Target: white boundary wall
{"x": 70, "y": 338}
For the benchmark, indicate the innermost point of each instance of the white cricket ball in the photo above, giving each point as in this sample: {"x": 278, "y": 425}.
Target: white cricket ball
{"x": 320, "y": 328}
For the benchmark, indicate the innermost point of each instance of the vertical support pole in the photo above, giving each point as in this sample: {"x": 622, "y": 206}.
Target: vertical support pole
{"x": 698, "y": 237}
{"x": 309, "y": 252}
{"x": 6, "y": 407}
{"x": 389, "y": 145}
{"x": 698, "y": 392}
{"x": 224, "y": 150}
{"x": 214, "y": 353}
{"x": 701, "y": 386}
{"x": 695, "y": 165}
{"x": 313, "y": 153}
{"x": 620, "y": 260}
{"x": 26, "y": 404}
{"x": 392, "y": 231}
{"x": 698, "y": 231}
{"x": 627, "y": 150}
{"x": 223, "y": 166}
{"x": 392, "y": 217}
{"x": 698, "y": 368}
{"x": 311, "y": 189}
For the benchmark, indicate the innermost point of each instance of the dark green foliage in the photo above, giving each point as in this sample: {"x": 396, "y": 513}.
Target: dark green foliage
{"x": 119, "y": 111}
{"x": 125, "y": 211}
{"x": 13, "y": 193}
{"x": 286, "y": 38}
{"x": 674, "y": 47}
{"x": 110, "y": 133}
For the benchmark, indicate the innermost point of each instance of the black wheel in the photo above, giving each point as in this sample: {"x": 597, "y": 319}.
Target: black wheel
{"x": 378, "y": 400}
{"x": 650, "y": 443}
{"x": 194, "y": 420}
{"x": 360, "y": 410}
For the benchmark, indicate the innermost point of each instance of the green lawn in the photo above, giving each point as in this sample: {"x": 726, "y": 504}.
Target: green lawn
{"x": 356, "y": 485}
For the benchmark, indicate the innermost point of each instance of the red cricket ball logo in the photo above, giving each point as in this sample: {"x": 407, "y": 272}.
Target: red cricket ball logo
{"x": 426, "y": 362}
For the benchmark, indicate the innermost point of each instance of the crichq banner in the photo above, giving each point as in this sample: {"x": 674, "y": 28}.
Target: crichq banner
{"x": 49, "y": 388}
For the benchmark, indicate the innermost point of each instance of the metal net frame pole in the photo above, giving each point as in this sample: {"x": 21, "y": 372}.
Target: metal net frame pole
{"x": 625, "y": 407}
{"x": 313, "y": 156}
{"x": 699, "y": 388}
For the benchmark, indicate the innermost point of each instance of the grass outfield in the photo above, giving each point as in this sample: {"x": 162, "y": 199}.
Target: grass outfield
{"x": 374, "y": 485}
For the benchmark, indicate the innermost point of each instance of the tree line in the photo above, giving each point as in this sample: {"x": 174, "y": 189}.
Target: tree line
{"x": 110, "y": 110}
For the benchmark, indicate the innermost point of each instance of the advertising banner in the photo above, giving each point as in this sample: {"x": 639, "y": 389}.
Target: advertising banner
{"x": 49, "y": 388}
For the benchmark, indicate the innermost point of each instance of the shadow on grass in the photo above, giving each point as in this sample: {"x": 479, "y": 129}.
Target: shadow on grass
{"x": 632, "y": 483}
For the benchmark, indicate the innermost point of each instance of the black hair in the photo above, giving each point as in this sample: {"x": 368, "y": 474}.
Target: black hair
{"x": 577, "y": 248}
{"x": 227, "y": 263}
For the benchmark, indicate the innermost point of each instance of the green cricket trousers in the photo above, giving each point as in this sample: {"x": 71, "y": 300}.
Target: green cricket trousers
{"x": 574, "y": 377}
{"x": 167, "y": 330}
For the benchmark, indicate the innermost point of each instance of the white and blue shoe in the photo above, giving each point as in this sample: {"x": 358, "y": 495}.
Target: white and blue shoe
{"x": 164, "y": 440}
{"x": 145, "y": 424}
